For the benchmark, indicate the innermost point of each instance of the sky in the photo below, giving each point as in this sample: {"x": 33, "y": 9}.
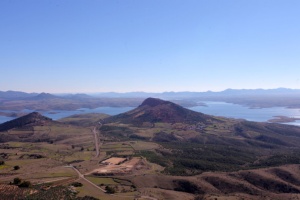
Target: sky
{"x": 70, "y": 46}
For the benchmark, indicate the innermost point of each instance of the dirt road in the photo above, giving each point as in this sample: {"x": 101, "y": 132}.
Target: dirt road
{"x": 81, "y": 176}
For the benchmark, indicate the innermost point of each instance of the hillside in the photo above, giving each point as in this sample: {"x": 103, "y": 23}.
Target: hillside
{"x": 32, "y": 119}
{"x": 37, "y": 128}
{"x": 154, "y": 110}
{"x": 271, "y": 183}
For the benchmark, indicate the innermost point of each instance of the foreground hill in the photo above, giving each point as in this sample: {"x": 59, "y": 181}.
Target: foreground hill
{"x": 269, "y": 183}
{"x": 154, "y": 110}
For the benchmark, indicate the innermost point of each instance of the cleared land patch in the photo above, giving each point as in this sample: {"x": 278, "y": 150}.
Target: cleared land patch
{"x": 124, "y": 168}
{"x": 113, "y": 161}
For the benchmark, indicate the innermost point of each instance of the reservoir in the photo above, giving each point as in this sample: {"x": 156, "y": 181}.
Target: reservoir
{"x": 212, "y": 108}
{"x": 242, "y": 112}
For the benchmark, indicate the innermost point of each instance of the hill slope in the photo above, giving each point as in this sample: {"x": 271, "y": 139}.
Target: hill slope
{"x": 156, "y": 110}
{"x": 31, "y": 119}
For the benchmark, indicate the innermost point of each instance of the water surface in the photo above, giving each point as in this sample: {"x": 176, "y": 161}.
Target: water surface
{"x": 243, "y": 112}
{"x": 58, "y": 114}
{"x": 211, "y": 108}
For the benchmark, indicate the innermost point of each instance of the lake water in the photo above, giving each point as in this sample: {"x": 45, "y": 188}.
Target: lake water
{"x": 211, "y": 108}
{"x": 243, "y": 112}
{"x": 58, "y": 114}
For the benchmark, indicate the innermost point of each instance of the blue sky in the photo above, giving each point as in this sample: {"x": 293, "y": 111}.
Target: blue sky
{"x": 148, "y": 45}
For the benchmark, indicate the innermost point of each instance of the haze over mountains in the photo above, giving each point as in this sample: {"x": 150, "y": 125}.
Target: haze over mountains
{"x": 281, "y": 97}
{"x": 186, "y": 94}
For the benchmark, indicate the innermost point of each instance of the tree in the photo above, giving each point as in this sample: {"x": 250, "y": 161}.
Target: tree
{"x": 109, "y": 190}
{"x": 2, "y": 162}
{"x": 76, "y": 184}
{"x": 17, "y": 181}
{"x": 25, "y": 184}
{"x": 16, "y": 167}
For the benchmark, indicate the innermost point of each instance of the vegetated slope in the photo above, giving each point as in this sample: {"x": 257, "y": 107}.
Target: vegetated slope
{"x": 32, "y": 119}
{"x": 156, "y": 110}
{"x": 270, "y": 183}
{"x": 36, "y": 128}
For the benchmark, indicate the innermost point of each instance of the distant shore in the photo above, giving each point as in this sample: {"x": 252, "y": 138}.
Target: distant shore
{"x": 283, "y": 119}
{"x": 13, "y": 114}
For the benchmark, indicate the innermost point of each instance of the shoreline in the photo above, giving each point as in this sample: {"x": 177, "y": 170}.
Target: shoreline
{"x": 283, "y": 119}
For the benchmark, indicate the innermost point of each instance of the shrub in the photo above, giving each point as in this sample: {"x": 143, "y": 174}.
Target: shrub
{"x": 16, "y": 167}
{"x": 110, "y": 190}
{"x": 25, "y": 184}
{"x": 17, "y": 181}
{"x": 76, "y": 184}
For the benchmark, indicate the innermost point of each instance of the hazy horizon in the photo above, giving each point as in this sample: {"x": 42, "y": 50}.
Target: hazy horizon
{"x": 99, "y": 92}
{"x": 152, "y": 46}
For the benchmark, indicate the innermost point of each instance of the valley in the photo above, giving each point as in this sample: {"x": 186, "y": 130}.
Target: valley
{"x": 159, "y": 150}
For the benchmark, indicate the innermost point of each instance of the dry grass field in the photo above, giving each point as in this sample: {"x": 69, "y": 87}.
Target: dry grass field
{"x": 113, "y": 161}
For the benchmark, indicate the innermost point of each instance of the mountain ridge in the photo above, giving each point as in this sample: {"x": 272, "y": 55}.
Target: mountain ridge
{"x": 229, "y": 91}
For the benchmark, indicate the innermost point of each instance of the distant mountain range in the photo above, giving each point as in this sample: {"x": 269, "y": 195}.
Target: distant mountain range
{"x": 187, "y": 94}
{"x": 256, "y": 98}
{"x": 16, "y": 95}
